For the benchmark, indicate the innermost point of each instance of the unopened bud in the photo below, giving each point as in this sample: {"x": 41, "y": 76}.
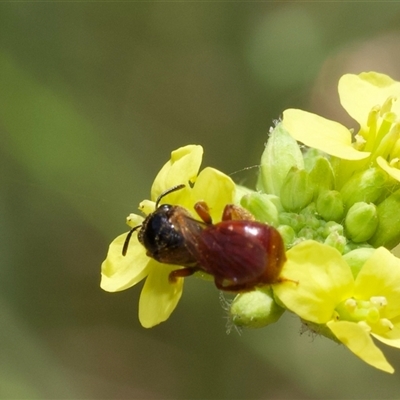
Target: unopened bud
{"x": 261, "y": 207}
{"x": 361, "y": 222}
{"x": 337, "y": 241}
{"x": 288, "y": 235}
{"x": 388, "y": 232}
{"x": 296, "y": 221}
{"x": 307, "y": 233}
{"x": 281, "y": 154}
{"x": 331, "y": 227}
{"x": 240, "y": 192}
{"x": 255, "y": 309}
{"x": 297, "y": 191}
{"x": 357, "y": 258}
{"x": 330, "y": 205}
{"x": 310, "y": 157}
{"x": 367, "y": 186}
{"x": 321, "y": 176}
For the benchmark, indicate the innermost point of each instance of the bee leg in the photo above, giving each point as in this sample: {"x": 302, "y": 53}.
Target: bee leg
{"x": 203, "y": 212}
{"x": 281, "y": 279}
{"x": 234, "y": 212}
{"x": 181, "y": 273}
{"x": 243, "y": 287}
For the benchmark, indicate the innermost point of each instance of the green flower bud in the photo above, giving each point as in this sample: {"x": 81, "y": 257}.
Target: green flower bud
{"x": 331, "y": 227}
{"x": 337, "y": 241}
{"x": 321, "y": 176}
{"x": 276, "y": 201}
{"x": 281, "y": 154}
{"x": 330, "y": 205}
{"x": 307, "y": 233}
{"x": 261, "y": 207}
{"x": 240, "y": 192}
{"x": 311, "y": 220}
{"x": 361, "y": 222}
{"x": 296, "y": 191}
{"x": 288, "y": 235}
{"x": 255, "y": 309}
{"x": 350, "y": 246}
{"x": 388, "y": 232}
{"x": 309, "y": 211}
{"x": 296, "y": 221}
{"x": 368, "y": 186}
{"x": 357, "y": 258}
{"x": 311, "y": 157}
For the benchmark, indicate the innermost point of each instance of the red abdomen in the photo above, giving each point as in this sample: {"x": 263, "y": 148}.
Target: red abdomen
{"x": 241, "y": 255}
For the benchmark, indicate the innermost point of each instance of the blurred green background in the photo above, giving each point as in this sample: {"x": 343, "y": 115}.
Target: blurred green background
{"x": 93, "y": 98}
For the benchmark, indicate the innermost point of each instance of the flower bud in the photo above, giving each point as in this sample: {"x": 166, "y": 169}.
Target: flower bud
{"x": 281, "y": 154}
{"x": 357, "y": 258}
{"x": 311, "y": 157}
{"x": 241, "y": 191}
{"x": 261, "y": 207}
{"x": 288, "y": 235}
{"x": 368, "y": 186}
{"x": 321, "y": 176}
{"x": 307, "y": 233}
{"x": 255, "y": 309}
{"x": 297, "y": 191}
{"x": 311, "y": 216}
{"x": 331, "y": 227}
{"x": 336, "y": 240}
{"x": 330, "y": 205}
{"x": 296, "y": 221}
{"x": 388, "y": 232}
{"x": 361, "y": 222}
{"x": 276, "y": 201}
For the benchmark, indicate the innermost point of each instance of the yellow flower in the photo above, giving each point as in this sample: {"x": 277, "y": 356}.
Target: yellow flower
{"x": 371, "y": 99}
{"x": 159, "y": 296}
{"x": 353, "y": 309}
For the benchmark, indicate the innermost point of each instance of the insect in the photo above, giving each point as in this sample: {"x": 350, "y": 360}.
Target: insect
{"x": 238, "y": 252}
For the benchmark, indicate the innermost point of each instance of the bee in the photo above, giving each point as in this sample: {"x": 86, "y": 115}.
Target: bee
{"x": 239, "y": 252}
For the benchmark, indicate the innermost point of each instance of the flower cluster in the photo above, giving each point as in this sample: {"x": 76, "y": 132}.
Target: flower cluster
{"x": 339, "y": 200}
{"x": 333, "y": 196}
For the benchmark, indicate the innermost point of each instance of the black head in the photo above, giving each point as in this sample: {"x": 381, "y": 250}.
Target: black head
{"x": 158, "y": 233}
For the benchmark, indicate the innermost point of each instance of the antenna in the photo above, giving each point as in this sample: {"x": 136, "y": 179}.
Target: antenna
{"x": 170, "y": 190}
{"x": 127, "y": 240}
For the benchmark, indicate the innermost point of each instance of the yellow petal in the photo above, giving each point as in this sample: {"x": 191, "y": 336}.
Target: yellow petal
{"x": 216, "y": 189}
{"x": 119, "y": 272}
{"x": 321, "y": 133}
{"x": 359, "y": 341}
{"x": 393, "y": 172}
{"x": 159, "y": 297}
{"x": 359, "y": 93}
{"x": 181, "y": 168}
{"x": 324, "y": 280}
{"x": 380, "y": 276}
